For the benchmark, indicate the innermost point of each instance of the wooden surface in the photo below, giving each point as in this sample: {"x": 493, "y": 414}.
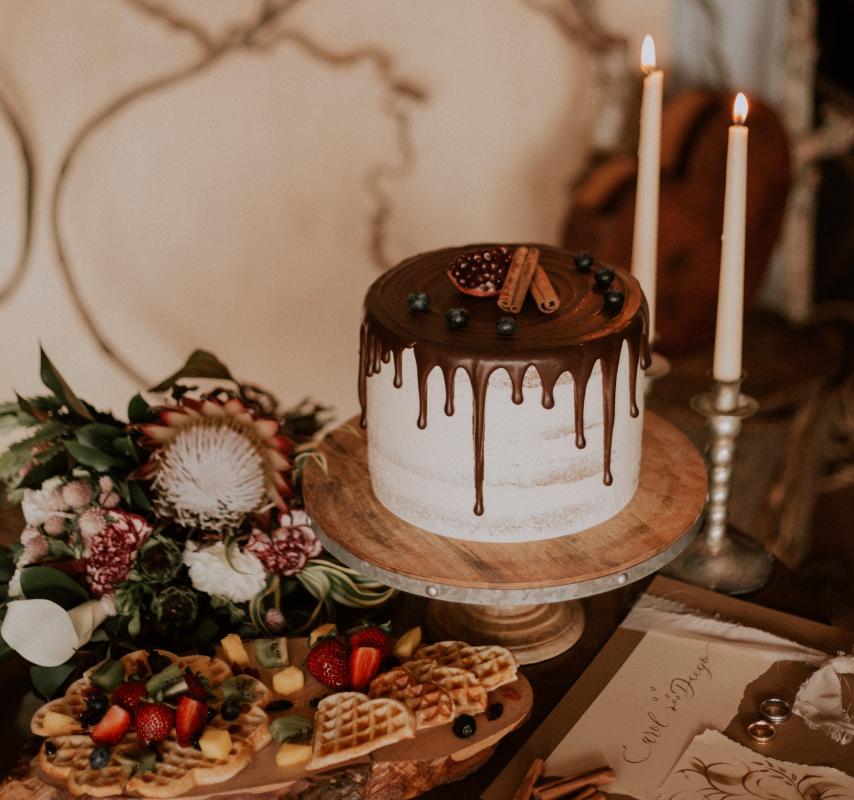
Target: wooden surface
{"x": 669, "y": 499}
{"x": 405, "y": 769}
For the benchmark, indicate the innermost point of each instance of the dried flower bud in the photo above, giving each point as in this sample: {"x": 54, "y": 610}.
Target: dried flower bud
{"x": 77, "y": 494}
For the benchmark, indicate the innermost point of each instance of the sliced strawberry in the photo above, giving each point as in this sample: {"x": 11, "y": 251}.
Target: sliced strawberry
{"x": 364, "y": 665}
{"x": 112, "y": 727}
{"x": 154, "y": 722}
{"x": 190, "y": 718}
{"x": 371, "y": 636}
{"x": 195, "y": 688}
{"x": 129, "y": 694}
{"x": 328, "y": 662}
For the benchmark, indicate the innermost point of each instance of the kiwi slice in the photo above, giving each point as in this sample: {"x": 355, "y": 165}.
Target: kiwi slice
{"x": 272, "y": 653}
{"x": 238, "y": 687}
{"x": 176, "y": 688}
{"x": 164, "y": 679}
{"x": 108, "y": 675}
{"x": 290, "y": 728}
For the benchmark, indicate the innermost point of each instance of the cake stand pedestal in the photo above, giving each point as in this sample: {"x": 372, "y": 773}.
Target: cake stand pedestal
{"x": 511, "y": 594}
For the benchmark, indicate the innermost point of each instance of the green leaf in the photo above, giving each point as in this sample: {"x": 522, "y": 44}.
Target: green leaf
{"x": 5, "y": 650}
{"x": 200, "y": 364}
{"x": 125, "y": 446}
{"x": 59, "y": 550}
{"x": 139, "y": 411}
{"x": 56, "y": 383}
{"x": 138, "y": 497}
{"x": 47, "y": 431}
{"x": 98, "y": 435}
{"x": 91, "y": 457}
{"x": 51, "y": 463}
{"x": 46, "y": 583}
{"x": 29, "y": 408}
{"x": 47, "y": 680}
{"x": 7, "y": 565}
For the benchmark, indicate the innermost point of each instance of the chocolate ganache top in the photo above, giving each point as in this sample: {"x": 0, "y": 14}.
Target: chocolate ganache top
{"x": 572, "y": 339}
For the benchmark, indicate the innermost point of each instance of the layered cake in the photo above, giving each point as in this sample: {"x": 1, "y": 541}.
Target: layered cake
{"x": 488, "y": 426}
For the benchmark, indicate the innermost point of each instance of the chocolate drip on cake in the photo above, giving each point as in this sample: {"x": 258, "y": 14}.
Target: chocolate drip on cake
{"x": 571, "y": 340}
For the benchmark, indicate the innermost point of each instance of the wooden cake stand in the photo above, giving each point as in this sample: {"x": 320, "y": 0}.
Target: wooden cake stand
{"x": 523, "y": 596}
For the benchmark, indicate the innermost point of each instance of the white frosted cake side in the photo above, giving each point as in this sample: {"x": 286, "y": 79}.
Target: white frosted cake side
{"x": 537, "y": 483}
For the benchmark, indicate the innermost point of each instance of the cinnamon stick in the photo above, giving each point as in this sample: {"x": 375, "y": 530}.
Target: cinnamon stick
{"x": 566, "y": 787}
{"x": 544, "y": 292}
{"x": 518, "y": 279}
{"x": 535, "y": 770}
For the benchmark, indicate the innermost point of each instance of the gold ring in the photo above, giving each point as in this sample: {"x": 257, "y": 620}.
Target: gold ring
{"x": 760, "y": 731}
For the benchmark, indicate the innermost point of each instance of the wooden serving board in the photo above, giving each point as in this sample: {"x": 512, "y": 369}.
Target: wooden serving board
{"x": 403, "y": 770}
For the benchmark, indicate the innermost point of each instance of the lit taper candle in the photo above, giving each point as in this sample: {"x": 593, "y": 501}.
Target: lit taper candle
{"x": 645, "y": 234}
{"x": 728, "y": 329}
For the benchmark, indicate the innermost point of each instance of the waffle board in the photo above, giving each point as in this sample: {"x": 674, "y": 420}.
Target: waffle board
{"x": 405, "y": 769}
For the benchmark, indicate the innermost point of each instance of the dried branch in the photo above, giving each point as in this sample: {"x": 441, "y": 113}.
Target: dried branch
{"x": 25, "y": 150}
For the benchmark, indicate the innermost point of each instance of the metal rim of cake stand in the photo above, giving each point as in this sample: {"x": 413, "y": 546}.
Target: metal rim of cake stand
{"x": 512, "y": 597}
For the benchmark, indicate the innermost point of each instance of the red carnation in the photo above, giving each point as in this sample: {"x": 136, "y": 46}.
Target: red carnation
{"x": 110, "y": 552}
{"x": 287, "y": 549}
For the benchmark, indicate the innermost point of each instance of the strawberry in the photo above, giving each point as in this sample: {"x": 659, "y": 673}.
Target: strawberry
{"x": 329, "y": 662}
{"x": 153, "y": 722}
{"x": 190, "y": 718}
{"x": 129, "y": 694}
{"x": 371, "y": 636}
{"x": 195, "y": 688}
{"x": 112, "y": 727}
{"x": 364, "y": 665}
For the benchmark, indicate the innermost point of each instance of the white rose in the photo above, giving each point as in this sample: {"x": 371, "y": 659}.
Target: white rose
{"x": 211, "y": 573}
{"x": 39, "y": 505}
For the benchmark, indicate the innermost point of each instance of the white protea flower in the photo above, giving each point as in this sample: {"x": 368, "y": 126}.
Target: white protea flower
{"x": 239, "y": 576}
{"x": 215, "y": 462}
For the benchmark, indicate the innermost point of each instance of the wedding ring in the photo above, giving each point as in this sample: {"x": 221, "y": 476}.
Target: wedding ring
{"x": 760, "y": 731}
{"x": 775, "y": 710}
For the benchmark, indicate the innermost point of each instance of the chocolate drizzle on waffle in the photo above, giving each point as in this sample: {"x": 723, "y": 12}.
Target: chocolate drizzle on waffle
{"x": 571, "y": 340}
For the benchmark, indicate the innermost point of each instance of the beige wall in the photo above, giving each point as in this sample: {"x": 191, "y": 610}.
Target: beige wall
{"x": 231, "y": 211}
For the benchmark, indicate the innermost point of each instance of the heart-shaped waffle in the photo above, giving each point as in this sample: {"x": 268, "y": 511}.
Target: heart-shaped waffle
{"x": 493, "y": 665}
{"x": 350, "y": 724}
{"x": 467, "y": 692}
{"x": 178, "y": 769}
{"x": 431, "y": 704}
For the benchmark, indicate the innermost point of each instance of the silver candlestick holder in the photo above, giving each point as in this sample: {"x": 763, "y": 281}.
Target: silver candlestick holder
{"x": 722, "y": 558}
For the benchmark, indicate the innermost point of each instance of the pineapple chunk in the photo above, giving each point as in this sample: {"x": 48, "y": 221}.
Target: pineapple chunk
{"x": 288, "y": 681}
{"x": 56, "y": 724}
{"x": 407, "y": 644}
{"x": 235, "y": 652}
{"x": 215, "y": 743}
{"x": 319, "y": 633}
{"x": 292, "y": 755}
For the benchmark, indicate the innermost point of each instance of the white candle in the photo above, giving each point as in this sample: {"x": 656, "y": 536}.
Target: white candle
{"x": 645, "y": 233}
{"x": 728, "y": 329}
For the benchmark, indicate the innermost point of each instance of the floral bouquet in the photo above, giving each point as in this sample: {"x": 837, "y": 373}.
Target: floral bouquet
{"x": 170, "y": 529}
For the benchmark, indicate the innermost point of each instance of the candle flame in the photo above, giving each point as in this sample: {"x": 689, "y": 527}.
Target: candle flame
{"x": 648, "y": 54}
{"x": 739, "y": 109}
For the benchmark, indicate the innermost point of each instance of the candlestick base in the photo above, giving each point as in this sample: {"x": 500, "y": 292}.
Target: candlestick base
{"x": 734, "y": 565}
